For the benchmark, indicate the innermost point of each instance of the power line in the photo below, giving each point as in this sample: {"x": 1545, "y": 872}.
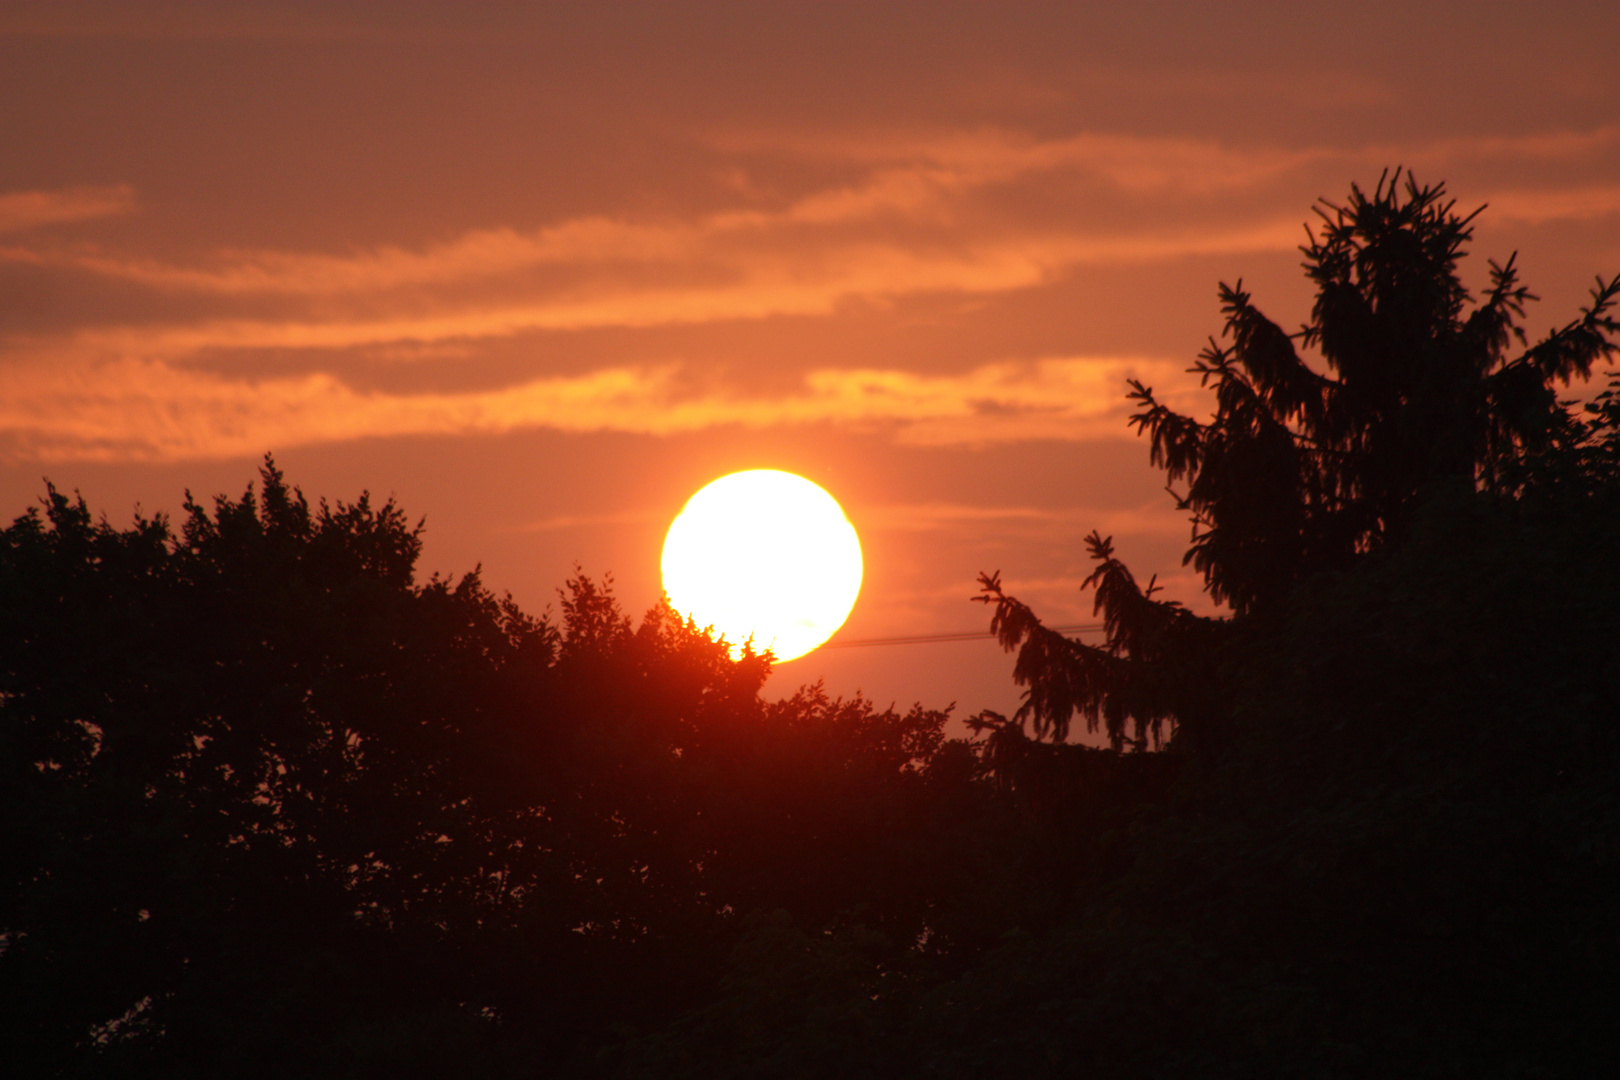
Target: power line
{"x": 929, "y": 639}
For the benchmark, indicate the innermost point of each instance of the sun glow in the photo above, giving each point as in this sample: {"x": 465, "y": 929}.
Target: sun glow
{"x": 765, "y": 555}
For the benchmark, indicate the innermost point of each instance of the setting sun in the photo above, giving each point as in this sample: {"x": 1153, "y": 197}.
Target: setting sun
{"x": 765, "y": 555}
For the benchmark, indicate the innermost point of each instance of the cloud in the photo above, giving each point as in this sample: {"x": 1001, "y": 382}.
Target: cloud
{"x": 22, "y": 210}
{"x": 1539, "y": 147}
{"x": 913, "y": 218}
{"x": 977, "y": 158}
{"x": 831, "y": 229}
{"x": 475, "y": 255}
{"x": 745, "y": 286}
{"x": 1003, "y": 402}
{"x": 1023, "y": 521}
{"x": 1568, "y": 204}
{"x": 1132, "y": 164}
{"x": 953, "y": 214}
{"x": 151, "y": 411}
{"x": 561, "y": 522}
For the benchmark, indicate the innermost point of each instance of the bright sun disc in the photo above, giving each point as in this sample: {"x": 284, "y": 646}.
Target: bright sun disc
{"x": 764, "y": 555}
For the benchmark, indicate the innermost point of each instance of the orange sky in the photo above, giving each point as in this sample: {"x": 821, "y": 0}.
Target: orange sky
{"x": 541, "y": 271}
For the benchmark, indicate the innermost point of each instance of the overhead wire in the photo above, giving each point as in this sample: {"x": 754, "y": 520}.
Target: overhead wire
{"x": 930, "y": 639}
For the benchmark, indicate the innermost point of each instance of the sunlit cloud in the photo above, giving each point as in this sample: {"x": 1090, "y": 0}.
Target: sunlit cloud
{"x": 149, "y": 410}
{"x": 563, "y": 522}
{"x": 1135, "y": 164}
{"x": 1544, "y": 146}
{"x": 902, "y": 217}
{"x": 757, "y": 286}
{"x": 1005, "y": 402}
{"x": 965, "y": 159}
{"x": 746, "y": 245}
{"x": 799, "y": 248}
{"x": 20, "y": 210}
{"x": 475, "y": 255}
{"x": 1023, "y": 521}
{"x": 1567, "y": 204}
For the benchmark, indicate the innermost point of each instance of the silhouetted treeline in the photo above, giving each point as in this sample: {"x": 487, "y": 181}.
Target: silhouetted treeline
{"x": 271, "y": 807}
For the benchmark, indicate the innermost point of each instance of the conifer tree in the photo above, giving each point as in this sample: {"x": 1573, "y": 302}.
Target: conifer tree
{"x": 1323, "y": 444}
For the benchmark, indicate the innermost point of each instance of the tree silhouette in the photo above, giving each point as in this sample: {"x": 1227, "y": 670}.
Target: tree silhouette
{"x": 270, "y": 806}
{"x": 1383, "y": 838}
{"x": 1323, "y": 445}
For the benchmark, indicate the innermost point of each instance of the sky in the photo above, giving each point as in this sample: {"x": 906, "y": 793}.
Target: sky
{"x": 541, "y": 271}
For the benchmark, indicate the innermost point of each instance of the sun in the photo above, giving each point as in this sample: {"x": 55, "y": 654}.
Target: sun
{"x": 765, "y": 555}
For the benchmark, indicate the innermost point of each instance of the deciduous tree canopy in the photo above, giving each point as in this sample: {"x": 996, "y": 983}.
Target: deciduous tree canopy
{"x": 259, "y": 782}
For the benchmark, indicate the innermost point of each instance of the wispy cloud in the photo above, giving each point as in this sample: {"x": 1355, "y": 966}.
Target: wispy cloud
{"x": 740, "y": 286}
{"x": 149, "y": 410}
{"x": 1565, "y": 145}
{"x": 22, "y": 210}
{"x": 473, "y": 256}
{"x": 942, "y": 214}
{"x": 1137, "y": 164}
{"x": 798, "y": 249}
{"x": 561, "y": 522}
{"x": 804, "y": 243}
{"x": 1557, "y": 204}
{"x": 978, "y": 158}
{"x": 1023, "y": 520}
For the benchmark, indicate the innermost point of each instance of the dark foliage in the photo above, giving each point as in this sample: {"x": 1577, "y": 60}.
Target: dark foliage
{"x": 1312, "y": 462}
{"x": 1402, "y": 863}
{"x": 271, "y": 807}
{"x": 1381, "y": 837}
